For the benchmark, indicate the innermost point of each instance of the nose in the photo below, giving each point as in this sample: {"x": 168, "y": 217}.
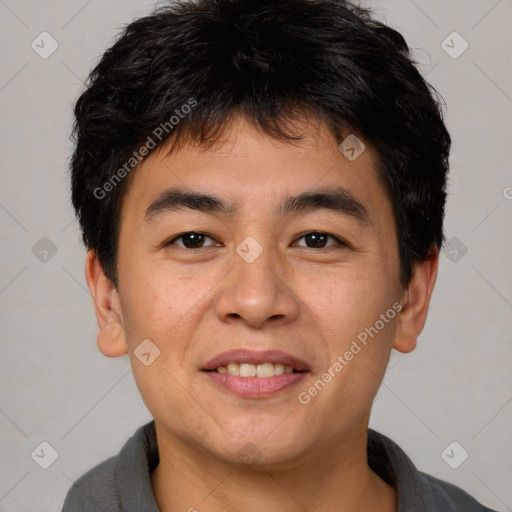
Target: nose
{"x": 258, "y": 293}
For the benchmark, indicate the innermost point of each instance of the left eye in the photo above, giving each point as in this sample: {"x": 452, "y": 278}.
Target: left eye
{"x": 318, "y": 240}
{"x": 192, "y": 240}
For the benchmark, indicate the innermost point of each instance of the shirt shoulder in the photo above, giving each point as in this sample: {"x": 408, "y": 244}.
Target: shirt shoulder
{"x": 121, "y": 483}
{"x": 450, "y": 497}
{"x": 95, "y": 490}
{"x": 416, "y": 491}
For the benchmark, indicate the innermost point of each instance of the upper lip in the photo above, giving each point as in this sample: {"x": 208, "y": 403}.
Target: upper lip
{"x": 255, "y": 357}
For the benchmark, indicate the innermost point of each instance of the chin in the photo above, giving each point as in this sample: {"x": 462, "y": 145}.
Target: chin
{"x": 258, "y": 448}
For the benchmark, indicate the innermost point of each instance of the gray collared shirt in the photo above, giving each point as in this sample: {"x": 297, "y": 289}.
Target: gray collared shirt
{"x": 123, "y": 483}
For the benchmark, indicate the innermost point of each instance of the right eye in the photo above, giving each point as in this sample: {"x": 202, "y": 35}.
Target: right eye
{"x": 191, "y": 240}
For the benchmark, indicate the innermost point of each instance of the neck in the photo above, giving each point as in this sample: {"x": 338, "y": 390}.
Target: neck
{"x": 188, "y": 479}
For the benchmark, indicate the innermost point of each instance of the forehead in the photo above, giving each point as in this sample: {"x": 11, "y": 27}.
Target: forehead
{"x": 247, "y": 169}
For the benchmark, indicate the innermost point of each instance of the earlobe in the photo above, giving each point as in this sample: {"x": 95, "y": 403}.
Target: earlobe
{"x": 111, "y": 338}
{"x": 415, "y": 303}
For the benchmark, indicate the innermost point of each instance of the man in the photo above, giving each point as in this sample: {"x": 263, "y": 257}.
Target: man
{"x": 261, "y": 189}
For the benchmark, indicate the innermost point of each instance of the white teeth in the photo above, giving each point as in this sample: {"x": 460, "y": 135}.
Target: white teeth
{"x": 265, "y": 370}
{"x": 262, "y": 370}
{"x": 247, "y": 370}
{"x": 233, "y": 369}
{"x": 279, "y": 369}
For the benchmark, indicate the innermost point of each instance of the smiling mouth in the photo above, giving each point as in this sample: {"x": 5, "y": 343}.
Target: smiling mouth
{"x": 255, "y": 374}
{"x": 246, "y": 383}
{"x": 262, "y": 370}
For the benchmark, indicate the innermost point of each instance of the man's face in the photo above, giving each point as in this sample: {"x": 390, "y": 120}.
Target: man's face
{"x": 261, "y": 278}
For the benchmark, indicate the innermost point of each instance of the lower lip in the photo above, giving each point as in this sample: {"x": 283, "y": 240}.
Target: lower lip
{"x": 255, "y": 387}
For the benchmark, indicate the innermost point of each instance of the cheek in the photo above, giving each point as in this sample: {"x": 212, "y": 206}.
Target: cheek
{"x": 164, "y": 309}
{"x": 359, "y": 343}
{"x": 157, "y": 304}
{"x": 348, "y": 303}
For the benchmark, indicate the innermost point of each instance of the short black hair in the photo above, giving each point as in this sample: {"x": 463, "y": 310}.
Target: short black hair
{"x": 182, "y": 74}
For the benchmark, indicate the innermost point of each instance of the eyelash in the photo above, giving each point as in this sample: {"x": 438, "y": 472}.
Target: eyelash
{"x": 337, "y": 239}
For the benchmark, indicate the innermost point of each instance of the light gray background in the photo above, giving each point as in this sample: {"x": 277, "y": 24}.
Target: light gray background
{"x": 57, "y": 387}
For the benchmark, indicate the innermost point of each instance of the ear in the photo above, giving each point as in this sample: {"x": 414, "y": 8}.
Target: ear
{"x": 415, "y": 303}
{"x": 107, "y": 306}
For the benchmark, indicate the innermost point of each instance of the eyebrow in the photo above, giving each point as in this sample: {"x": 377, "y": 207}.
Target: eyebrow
{"x": 339, "y": 200}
